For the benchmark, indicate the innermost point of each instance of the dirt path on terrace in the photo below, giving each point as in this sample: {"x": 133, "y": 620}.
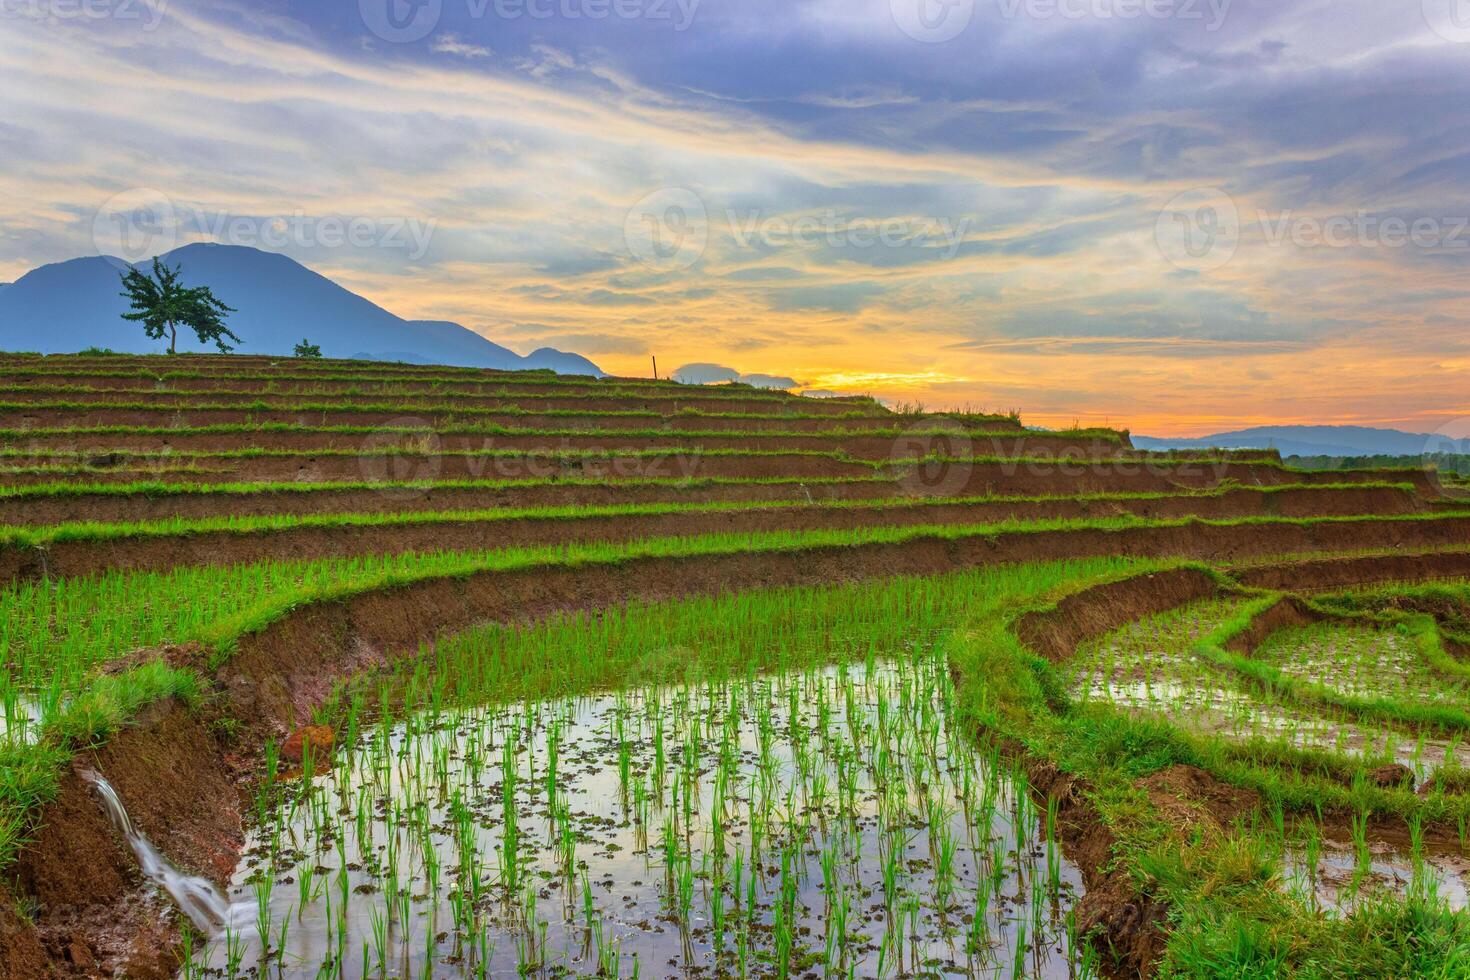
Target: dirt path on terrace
{"x": 101, "y": 416}
{"x": 669, "y": 404}
{"x": 992, "y": 480}
{"x": 878, "y": 445}
{"x": 56, "y": 509}
{"x": 150, "y": 553}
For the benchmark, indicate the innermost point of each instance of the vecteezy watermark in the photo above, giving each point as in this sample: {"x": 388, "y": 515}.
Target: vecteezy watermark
{"x": 667, "y": 229}
{"x": 1363, "y": 229}
{"x": 1446, "y": 459}
{"x": 400, "y": 21}
{"x": 936, "y": 459}
{"x": 1198, "y": 229}
{"x": 932, "y": 21}
{"x": 406, "y": 21}
{"x": 670, "y": 229}
{"x": 402, "y": 458}
{"x": 833, "y": 229}
{"x": 405, "y": 457}
{"x": 135, "y": 225}
{"x": 1202, "y": 229}
{"x": 1450, "y": 19}
{"x": 1210, "y": 14}
{"x": 147, "y": 14}
{"x": 140, "y": 223}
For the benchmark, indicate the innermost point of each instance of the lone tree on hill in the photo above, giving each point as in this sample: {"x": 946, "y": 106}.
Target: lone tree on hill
{"x": 162, "y": 305}
{"x": 307, "y": 349}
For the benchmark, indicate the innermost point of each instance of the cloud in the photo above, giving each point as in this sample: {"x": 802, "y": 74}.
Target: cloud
{"x": 1056, "y": 141}
{"x": 453, "y": 44}
{"x": 703, "y": 374}
{"x": 836, "y": 298}
{"x": 769, "y": 381}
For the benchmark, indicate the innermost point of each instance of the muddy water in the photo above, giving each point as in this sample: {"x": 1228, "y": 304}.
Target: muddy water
{"x": 827, "y": 822}
{"x": 1337, "y": 876}
{"x": 1362, "y": 662}
{"x": 1146, "y": 667}
{"x": 195, "y": 897}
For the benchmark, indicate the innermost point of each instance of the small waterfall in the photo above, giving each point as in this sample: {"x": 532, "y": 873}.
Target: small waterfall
{"x": 198, "y": 898}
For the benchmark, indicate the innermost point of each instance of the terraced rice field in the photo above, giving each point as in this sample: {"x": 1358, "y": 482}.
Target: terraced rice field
{"x": 344, "y": 669}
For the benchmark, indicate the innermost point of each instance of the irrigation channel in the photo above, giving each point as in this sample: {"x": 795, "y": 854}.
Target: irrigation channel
{"x": 830, "y": 822}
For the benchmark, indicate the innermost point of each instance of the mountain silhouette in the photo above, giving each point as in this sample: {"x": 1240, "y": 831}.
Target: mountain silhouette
{"x": 1317, "y": 440}
{"x": 69, "y": 306}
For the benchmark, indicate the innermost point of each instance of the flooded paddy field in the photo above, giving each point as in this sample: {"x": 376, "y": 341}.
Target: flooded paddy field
{"x": 1149, "y": 668}
{"x": 816, "y": 823}
{"x": 1362, "y": 661}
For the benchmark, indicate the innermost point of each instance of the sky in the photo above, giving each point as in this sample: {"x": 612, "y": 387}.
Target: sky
{"x": 1175, "y": 216}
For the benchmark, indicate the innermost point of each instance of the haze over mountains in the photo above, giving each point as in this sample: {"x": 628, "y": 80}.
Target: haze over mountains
{"x": 1318, "y": 440}
{"x": 69, "y": 306}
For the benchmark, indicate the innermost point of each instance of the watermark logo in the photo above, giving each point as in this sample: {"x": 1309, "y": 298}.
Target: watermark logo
{"x": 1446, "y": 460}
{"x": 400, "y": 457}
{"x": 1210, "y": 14}
{"x": 406, "y": 21}
{"x": 932, "y": 21}
{"x": 401, "y": 21}
{"x": 1365, "y": 230}
{"x": 1450, "y": 19}
{"x": 1199, "y": 229}
{"x": 668, "y": 229}
{"x": 936, "y": 459}
{"x": 134, "y": 225}
{"x": 671, "y": 228}
{"x": 140, "y": 223}
{"x": 147, "y": 14}
{"x": 831, "y": 229}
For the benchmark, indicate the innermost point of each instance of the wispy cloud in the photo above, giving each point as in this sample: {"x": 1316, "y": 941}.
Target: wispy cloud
{"x": 765, "y": 180}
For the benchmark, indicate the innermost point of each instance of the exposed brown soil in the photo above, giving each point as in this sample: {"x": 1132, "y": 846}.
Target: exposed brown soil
{"x": 1056, "y": 633}
{"x": 1005, "y": 478}
{"x": 1042, "y": 475}
{"x": 882, "y": 445}
{"x": 96, "y": 416}
{"x": 21, "y": 951}
{"x": 1128, "y": 924}
{"x": 328, "y": 640}
{"x": 279, "y": 373}
{"x": 1190, "y": 798}
{"x": 670, "y": 403}
{"x": 60, "y": 386}
{"x": 175, "y": 780}
{"x": 1322, "y": 574}
{"x": 1286, "y": 613}
{"x": 156, "y": 553}
{"x": 94, "y": 916}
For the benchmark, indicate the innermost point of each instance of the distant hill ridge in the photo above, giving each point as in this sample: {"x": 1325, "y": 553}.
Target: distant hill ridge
{"x": 68, "y": 306}
{"x": 1318, "y": 440}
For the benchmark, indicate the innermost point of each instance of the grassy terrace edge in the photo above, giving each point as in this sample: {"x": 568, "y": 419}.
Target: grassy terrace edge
{"x": 155, "y": 488}
{"x": 1226, "y": 916}
{"x": 113, "y": 699}
{"x": 100, "y": 531}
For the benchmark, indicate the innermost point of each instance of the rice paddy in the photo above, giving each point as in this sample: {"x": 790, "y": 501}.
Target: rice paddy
{"x": 826, "y": 821}
{"x": 1151, "y": 667}
{"x": 871, "y": 694}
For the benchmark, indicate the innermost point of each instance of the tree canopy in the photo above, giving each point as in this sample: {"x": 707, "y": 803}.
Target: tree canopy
{"x": 162, "y": 304}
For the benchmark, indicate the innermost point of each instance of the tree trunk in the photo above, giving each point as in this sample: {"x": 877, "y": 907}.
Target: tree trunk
{"x": 173, "y": 337}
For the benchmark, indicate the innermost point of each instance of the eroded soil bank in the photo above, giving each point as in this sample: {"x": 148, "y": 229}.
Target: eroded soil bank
{"x": 91, "y": 913}
{"x": 69, "y": 558}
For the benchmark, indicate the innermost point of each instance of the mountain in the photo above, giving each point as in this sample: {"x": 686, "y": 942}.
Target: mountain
{"x": 1318, "y": 440}
{"x": 72, "y": 305}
